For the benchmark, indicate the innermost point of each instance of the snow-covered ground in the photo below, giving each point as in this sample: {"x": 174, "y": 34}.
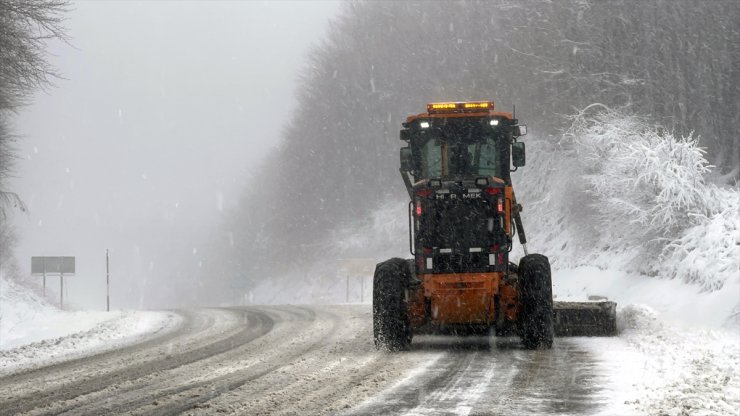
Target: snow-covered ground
{"x": 677, "y": 352}
{"x": 34, "y": 333}
{"x": 668, "y": 369}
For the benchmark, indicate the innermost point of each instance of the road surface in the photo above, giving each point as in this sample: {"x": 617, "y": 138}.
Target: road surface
{"x": 309, "y": 360}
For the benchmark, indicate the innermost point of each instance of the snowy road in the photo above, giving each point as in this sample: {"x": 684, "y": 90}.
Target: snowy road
{"x": 320, "y": 360}
{"x": 475, "y": 377}
{"x": 311, "y": 359}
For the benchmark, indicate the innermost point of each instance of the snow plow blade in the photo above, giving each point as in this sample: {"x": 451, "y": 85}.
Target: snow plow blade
{"x": 585, "y": 319}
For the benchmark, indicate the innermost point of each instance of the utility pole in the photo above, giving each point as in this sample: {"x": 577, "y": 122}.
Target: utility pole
{"x": 61, "y": 291}
{"x": 107, "y": 281}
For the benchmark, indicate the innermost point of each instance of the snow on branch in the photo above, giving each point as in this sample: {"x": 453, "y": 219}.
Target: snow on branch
{"x": 639, "y": 173}
{"x": 649, "y": 188}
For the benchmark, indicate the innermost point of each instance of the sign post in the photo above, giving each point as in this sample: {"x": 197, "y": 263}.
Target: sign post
{"x": 357, "y": 268}
{"x": 53, "y": 265}
{"x": 61, "y": 291}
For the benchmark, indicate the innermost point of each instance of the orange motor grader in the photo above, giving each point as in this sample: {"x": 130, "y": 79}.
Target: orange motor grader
{"x": 463, "y": 216}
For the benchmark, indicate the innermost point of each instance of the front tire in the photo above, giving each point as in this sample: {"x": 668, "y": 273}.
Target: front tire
{"x": 537, "y": 314}
{"x": 391, "y": 325}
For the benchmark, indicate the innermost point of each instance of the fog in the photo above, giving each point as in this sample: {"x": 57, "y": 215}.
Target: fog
{"x": 150, "y": 143}
{"x": 161, "y": 112}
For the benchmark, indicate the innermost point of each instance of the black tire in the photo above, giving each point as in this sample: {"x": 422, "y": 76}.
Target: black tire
{"x": 537, "y": 316}
{"x": 391, "y": 326}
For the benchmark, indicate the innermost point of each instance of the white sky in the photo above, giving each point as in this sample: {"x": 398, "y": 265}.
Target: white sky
{"x": 163, "y": 110}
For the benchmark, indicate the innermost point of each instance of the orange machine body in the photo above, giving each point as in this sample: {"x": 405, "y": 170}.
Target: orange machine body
{"x": 462, "y": 299}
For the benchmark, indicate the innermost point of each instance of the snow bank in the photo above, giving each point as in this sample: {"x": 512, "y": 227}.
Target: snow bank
{"x": 671, "y": 358}
{"x": 656, "y": 369}
{"x": 19, "y": 306}
{"x": 681, "y": 372}
{"x": 673, "y": 301}
{"x": 34, "y": 333}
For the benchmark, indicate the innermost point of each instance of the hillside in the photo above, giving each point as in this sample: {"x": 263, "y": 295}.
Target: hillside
{"x": 338, "y": 161}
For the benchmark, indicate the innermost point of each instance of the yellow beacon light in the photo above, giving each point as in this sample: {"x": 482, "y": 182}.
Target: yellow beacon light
{"x": 442, "y": 106}
{"x": 459, "y": 107}
{"x": 483, "y": 105}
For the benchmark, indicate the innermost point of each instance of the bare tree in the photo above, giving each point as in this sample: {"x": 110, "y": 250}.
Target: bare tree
{"x": 25, "y": 27}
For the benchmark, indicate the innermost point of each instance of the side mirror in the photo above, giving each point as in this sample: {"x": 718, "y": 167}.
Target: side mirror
{"x": 518, "y": 157}
{"x": 405, "y": 135}
{"x": 519, "y": 131}
{"x": 405, "y": 158}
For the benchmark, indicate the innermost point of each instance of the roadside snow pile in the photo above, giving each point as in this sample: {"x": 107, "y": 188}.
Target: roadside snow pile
{"x": 18, "y": 306}
{"x": 673, "y": 301}
{"x": 34, "y": 333}
{"x": 682, "y": 372}
{"x": 671, "y": 358}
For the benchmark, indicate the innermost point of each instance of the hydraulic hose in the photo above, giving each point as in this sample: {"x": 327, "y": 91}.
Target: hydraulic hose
{"x": 516, "y": 210}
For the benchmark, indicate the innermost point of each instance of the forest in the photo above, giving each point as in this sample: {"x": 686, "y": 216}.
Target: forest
{"x": 672, "y": 65}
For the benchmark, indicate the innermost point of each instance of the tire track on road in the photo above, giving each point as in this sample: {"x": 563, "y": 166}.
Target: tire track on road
{"x": 344, "y": 369}
{"x": 501, "y": 379}
{"x": 188, "y": 396}
{"x": 45, "y": 388}
{"x": 287, "y": 360}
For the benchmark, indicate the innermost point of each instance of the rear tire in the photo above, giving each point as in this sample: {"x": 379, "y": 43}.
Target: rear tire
{"x": 391, "y": 325}
{"x": 537, "y": 314}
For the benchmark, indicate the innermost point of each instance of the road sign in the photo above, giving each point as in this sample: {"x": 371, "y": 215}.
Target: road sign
{"x": 357, "y": 267}
{"x": 54, "y": 265}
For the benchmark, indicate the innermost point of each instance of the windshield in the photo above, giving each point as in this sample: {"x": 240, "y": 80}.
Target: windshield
{"x": 458, "y": 148}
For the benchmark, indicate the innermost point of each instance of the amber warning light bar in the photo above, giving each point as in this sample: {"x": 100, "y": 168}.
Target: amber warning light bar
{"x": 464, "y": 107}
